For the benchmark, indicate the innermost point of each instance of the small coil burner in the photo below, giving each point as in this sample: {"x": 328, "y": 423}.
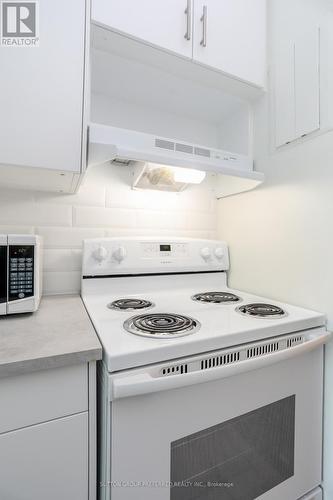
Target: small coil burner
{"x": 266, "y": 311}
{"x": 130, "y": 304}
{"x": 216, "y": 297}
{"x": 161, "y": 325}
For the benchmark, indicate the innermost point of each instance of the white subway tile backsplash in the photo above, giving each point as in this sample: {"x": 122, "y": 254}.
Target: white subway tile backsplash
{"x": 104, "y": 217}
{"x": 33, "y": 214}
{"x": 89, "y": 194}
{"x": 210, "y": 235}
{"x": 16, "y": 229}
{"x": 161, "y": 220}
{"x": 62, "y": 260}
{"x": 15, "y": 195}
{"x": 67, "y": 237}
{"x": 61, "y": 282}
{"x": 105, "y": 206}
{"x": 201, "y": 220}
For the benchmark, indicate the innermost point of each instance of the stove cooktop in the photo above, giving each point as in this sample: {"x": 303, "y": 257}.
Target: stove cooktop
{"x": 260, "y": 310}
{"x": 161, "y": 325}
{"x": 170, "y": 298}
{"x": 130, "y": 304}
{"x": 221, "y": 297}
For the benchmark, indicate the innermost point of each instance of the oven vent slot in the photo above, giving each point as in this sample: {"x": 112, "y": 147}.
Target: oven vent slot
{"x": 225, "y": 359}
{"x": 261, "y": 350}
{"x": 175, "y": 370}
{"x": 295, "y": 341}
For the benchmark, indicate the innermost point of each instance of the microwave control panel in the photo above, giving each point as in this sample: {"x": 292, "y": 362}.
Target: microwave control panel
{"x": 3, "y": 273}
{"x": 21, "y": 272}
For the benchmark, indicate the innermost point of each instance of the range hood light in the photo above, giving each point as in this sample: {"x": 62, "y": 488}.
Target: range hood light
{"x": 188, "y": 175}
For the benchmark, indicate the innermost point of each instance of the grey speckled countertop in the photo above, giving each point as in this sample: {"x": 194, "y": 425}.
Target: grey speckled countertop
{"x": 58, "y": 334}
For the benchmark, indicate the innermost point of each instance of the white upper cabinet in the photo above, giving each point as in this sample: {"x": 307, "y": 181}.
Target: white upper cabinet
{"x": 296, "y": 69}
{"x": 307, "y": 79}
{"x": 230, "y": 35}
{"x": 41, "y": 100}
{"x": 225, "y": 35}
{"x": 165, "y": 23}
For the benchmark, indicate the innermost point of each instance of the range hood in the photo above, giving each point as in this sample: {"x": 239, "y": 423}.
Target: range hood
{"x": 124, "y": 146}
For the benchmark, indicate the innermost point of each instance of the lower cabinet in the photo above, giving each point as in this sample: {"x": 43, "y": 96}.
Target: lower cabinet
{"x": 47, "y": 461}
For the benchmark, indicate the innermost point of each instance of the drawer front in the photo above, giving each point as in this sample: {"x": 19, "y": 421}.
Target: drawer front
{"x": 46, "y": 462}
{"x": 41, "y": 396}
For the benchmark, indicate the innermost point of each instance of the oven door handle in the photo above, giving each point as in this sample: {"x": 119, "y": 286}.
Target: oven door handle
{"x": 126, "y": 385}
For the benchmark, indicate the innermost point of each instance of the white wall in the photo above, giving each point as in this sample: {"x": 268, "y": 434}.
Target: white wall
{"x": 281, "y": 239}
{"x": 104, "y": 206}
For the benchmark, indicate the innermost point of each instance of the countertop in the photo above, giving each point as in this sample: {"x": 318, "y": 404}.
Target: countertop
{"x": 58, "y": 334}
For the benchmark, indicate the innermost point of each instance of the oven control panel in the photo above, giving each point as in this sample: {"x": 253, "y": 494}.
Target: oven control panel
{"x": 130, "y": 256}
{"x": 157, "y": 250}
{"x": 21, "y": 272}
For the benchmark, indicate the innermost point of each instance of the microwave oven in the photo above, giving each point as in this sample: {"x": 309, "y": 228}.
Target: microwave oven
{"x": 20, "y": 273}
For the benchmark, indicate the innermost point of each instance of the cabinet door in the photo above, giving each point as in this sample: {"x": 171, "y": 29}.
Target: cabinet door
{"x": 284, "y": 86}
{"x": 307, "y": 91}
{"x": 41, "y": 92}
{"x": 46, "y": 461}
{"x": 296, "y": 53}
{"x": 230, "y": 35}
{"x": 160, "y": 22}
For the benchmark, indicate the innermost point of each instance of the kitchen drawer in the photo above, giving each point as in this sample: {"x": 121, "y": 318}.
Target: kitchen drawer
{"x": 46, "y": 462}
{"x": 44, "y": 395}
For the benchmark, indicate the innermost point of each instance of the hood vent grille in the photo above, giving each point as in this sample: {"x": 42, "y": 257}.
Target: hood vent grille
{"x": 163, "y": 144}
{"x": 202, "y": 152}
{"x": 232, "y": 356}
{"x": 182, "y": 148}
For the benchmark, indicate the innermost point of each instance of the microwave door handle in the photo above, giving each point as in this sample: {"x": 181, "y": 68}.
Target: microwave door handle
{"x": 123, "y": 386}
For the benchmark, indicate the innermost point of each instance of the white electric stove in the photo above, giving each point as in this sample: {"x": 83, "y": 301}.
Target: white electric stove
{"x": 206, "y": 392}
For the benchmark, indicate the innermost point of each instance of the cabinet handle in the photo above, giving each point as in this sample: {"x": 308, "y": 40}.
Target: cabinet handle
{"x": 188, "y": 12}
{"x": 203, "y": 19}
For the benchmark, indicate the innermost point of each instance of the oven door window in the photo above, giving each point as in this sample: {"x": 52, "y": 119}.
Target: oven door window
{"x": 3, "y": 274}
{"x": 241, "y": 458}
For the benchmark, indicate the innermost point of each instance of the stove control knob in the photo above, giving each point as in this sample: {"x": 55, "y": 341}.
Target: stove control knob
{"x": 119, "y": 254}
{"x": 100, "y": 254}
{"x": 205, "y": 253}
{"x": 219, "y": 253}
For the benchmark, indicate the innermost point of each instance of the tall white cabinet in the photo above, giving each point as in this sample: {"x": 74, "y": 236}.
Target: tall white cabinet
{"x": 296, "y": 70}
{"x": 42, "y": 100}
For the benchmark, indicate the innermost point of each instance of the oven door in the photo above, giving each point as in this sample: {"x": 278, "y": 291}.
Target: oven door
{"x": 243, "y": 433}
{"x": 3, "y": 274}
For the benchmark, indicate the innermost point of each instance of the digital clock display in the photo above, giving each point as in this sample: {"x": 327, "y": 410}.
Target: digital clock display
{"x": 165, "y": 248}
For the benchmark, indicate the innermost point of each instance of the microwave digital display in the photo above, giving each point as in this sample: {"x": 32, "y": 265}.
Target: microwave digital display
{"x": 165, "y": 248}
